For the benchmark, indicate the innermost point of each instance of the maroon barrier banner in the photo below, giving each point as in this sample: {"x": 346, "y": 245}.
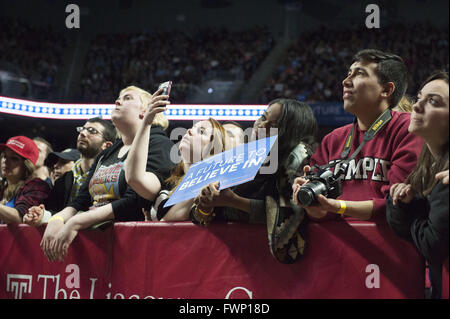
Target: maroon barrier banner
{"x": 180, "y": 260}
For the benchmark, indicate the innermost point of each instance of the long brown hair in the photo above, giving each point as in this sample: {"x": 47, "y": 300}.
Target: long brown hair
{"x": 422, "y": 178}
{"x": 405, "y": 105}
{"x": 219, "y": 141}
{"x": 8, "y": 191}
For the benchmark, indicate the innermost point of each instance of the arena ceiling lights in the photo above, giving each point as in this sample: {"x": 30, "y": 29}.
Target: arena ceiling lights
{"x": 181, "y": 112}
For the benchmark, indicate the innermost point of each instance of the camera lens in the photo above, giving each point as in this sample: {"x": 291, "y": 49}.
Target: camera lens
{"x": 307, "y": 194}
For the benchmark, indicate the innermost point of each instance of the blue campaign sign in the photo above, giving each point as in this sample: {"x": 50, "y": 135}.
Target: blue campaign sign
{"x": 230, "y": 168}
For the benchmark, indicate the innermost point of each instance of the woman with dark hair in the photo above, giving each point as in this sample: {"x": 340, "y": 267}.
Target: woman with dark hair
{"x": 19, "y": 189}
{"x": 266, "y": 199}
{"x": 417, "y": 210}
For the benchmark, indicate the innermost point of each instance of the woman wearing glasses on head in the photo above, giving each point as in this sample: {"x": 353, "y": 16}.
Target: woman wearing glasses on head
{"x": 105, "y": 195}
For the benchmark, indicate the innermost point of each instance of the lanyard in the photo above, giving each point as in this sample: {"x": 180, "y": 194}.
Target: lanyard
{"x": 379, "y": 123}
{"x": 376, "y": 126}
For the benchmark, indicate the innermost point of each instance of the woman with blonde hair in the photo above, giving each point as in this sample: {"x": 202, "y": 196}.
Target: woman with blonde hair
{"x": 405, "y": 105}
{"x": 105, "y": 195}
{"x": 204, "y": 139}
{"x": 19, "y": 190}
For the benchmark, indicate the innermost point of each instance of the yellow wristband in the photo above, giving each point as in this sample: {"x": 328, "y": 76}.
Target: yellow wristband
{"x": 56, "y": 218}
{"x": 341, "y": 210}
{"x": 203, "y": 212}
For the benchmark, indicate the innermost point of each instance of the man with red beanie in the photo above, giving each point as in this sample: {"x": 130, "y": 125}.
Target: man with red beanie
{"x": 18, "y": 189}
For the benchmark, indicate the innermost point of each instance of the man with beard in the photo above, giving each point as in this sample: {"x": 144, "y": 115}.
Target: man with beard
{"x": 95, "y": 136}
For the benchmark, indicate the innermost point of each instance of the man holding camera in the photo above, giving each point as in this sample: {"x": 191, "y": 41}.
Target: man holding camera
{"x": 369, "y": 155}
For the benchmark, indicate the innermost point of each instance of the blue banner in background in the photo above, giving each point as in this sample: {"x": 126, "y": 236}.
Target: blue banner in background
{"x": 233, "y": 167}
{"x": 331, "y": 114}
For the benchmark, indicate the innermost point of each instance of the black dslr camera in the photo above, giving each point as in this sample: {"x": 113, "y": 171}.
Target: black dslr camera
{"x": 322, "y": 181}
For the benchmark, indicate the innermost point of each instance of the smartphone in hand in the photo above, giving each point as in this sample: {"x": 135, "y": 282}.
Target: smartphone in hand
{"x": 167, "y": 86}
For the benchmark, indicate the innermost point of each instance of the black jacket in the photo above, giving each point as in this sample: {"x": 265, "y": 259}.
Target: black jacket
{"x": 60, "y": 193}
{"x": 424, "y": 222}
{"x": 128, "y": 207}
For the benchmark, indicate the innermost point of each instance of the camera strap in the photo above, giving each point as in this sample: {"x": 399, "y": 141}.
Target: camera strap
{"x": 376, "y": 126}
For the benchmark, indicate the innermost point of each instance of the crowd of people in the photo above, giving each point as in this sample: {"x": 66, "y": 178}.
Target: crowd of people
{"x": 115, "y": 60}
{"x": 146, "y": 59}
{"x": 27, "y": 47}
{"x": 315, "y": 64}
{"x": 392, "y": 166}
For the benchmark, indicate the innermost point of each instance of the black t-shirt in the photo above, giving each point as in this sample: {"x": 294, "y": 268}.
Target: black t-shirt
{"x": 108, "y": 182}
{"x": 106, "y": 179}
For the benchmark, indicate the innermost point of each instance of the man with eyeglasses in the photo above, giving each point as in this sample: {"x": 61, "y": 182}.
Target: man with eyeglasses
{"x": 96, "y": 135}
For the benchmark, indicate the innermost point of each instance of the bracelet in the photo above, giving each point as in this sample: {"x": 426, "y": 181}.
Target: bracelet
{"x": 56, "y": 218}
{"x": 199, "y": 216}
{"x": 203, "y": 212}
{"x": 341, "y": 210}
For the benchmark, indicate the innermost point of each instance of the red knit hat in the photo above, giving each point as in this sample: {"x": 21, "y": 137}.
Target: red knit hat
{"x": 23, "y": 146}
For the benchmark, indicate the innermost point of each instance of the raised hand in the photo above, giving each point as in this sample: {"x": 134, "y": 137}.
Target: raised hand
{"x": 156, "y": 105}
